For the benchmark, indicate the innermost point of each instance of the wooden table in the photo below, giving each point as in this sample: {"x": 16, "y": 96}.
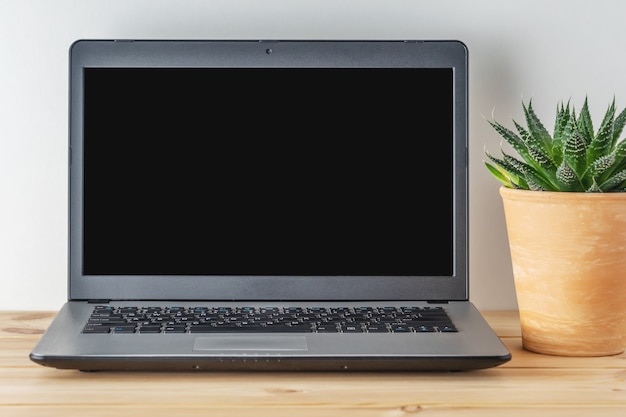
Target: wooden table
{"x": 529, "y": 385}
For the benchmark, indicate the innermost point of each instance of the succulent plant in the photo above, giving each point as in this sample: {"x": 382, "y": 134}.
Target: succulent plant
{"x": 572, "y": 159}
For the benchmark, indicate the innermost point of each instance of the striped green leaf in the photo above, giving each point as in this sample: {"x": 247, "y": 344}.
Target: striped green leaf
{"x": 573, "y": 159}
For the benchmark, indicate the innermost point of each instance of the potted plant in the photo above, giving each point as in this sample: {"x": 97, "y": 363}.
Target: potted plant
{"x": 564, "y": 198}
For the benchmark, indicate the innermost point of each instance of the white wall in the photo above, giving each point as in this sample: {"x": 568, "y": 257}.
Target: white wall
{"x": 550, "y": 50}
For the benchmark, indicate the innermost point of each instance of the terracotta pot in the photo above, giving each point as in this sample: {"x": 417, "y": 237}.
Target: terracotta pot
{"x": 568, "y": 252}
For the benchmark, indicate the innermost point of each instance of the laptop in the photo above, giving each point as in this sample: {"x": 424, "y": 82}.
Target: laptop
{"x": 268, "y": 205}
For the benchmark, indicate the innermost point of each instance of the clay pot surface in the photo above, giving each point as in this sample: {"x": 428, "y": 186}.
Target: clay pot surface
{"x": 568, "y": 253}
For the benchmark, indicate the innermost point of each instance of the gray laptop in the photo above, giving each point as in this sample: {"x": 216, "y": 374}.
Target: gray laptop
{"x": 268, "y": 205}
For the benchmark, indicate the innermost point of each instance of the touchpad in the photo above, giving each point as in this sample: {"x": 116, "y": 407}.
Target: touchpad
{"x": 234, "y": 342}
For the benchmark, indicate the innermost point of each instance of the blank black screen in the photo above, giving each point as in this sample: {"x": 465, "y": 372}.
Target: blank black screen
{"x": 268, "y": 171}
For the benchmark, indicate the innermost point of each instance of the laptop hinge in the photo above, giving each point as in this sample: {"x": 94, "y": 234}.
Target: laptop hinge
{"x": 437, "y": 302}
{"x": 103, "y": 301}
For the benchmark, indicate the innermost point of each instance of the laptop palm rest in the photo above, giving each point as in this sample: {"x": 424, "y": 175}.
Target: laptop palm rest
{"x": 235, "y": 342}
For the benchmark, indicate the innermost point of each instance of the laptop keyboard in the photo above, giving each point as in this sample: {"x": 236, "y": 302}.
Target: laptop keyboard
{"x": 110, "y": 319}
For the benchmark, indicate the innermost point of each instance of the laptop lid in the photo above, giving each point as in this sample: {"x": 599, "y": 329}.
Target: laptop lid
{"x": 268, "y": 170}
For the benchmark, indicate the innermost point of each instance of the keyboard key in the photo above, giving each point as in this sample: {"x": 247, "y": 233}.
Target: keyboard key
{"x": 351, "y": 329}
{"x": 150, "y": 329}
{"x": 327, "y": 329}
{"x": 377, "y": 329}
{"x": 96, "y": 329}
{"x": 123, "y": 329}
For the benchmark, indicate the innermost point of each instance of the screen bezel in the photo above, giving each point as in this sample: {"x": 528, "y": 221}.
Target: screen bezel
{"x": 153, "y": 53}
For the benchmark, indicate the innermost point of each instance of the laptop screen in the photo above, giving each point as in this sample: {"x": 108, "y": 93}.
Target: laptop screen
{"x": 252, "y": 171}
{"x": 268, "y": 171}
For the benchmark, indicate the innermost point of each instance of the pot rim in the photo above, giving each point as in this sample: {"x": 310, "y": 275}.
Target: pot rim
{"x": 518, "y": 194}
